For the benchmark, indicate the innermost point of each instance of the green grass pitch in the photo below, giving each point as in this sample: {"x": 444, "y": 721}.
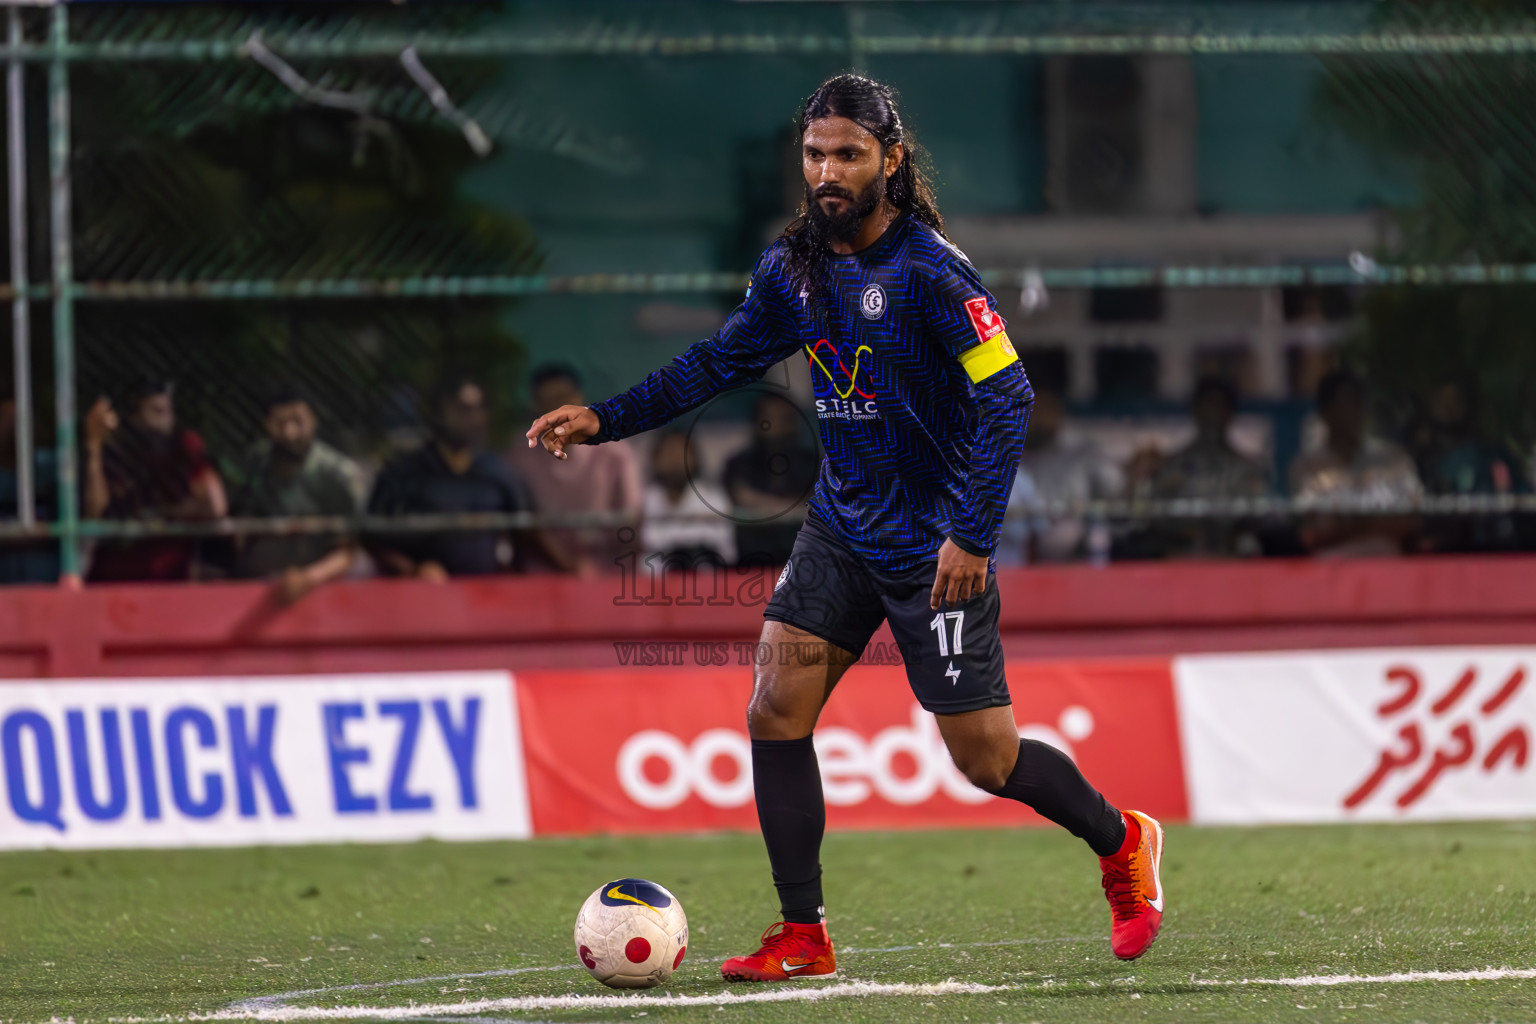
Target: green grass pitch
{"x": 166, "y": 934}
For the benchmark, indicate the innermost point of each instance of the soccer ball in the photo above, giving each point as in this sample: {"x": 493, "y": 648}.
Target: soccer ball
{"x": 631, "y": 934}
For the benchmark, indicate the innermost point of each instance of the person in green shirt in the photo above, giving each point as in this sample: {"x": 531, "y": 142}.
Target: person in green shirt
{"x": 290, "y": 472}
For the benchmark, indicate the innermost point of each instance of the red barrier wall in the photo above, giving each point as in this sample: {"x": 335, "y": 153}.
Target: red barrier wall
{"x": 553, "y": 622}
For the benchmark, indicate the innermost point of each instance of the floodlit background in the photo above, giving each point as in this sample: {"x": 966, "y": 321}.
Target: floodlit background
{"x": 289, "y": 280}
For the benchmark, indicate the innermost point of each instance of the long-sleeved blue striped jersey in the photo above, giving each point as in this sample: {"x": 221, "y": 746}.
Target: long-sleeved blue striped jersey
{"x": 921, "y": 401}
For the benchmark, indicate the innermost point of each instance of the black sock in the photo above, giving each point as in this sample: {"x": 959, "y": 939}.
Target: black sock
{"x": 1048, "y": 781}
{"x": 793, "y": 817}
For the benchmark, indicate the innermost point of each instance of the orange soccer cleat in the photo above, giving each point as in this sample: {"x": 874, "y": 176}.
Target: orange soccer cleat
{"x": 1133, "y": 888}
{"x": 789, "y": 951}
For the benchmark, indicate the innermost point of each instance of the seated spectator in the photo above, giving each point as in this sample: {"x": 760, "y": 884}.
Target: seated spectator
{"x": 685, "y": 517}
{"x": 591, "y": 478}
{"x": 1140, "y": 470}
{"x": 147, "y": 467}
{"x": 1058, "y": 465}
{"x": 1454, "y": 459}
{"x": 290, "y": 472}
{"x": 1353, "y": 465}
{"x": 772, "y": 476}
{"x": 1209, "y": 467}
{"x": 452, "y": 472}
{"x": 26, "y": 561}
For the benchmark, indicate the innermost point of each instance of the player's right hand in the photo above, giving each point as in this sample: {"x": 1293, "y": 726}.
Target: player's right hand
{"x": 569, "y": 424}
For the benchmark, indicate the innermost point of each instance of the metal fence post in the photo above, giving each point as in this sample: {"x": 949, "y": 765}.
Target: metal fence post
{"x": 63, "y": 298}
{"x": 21, "y": 312}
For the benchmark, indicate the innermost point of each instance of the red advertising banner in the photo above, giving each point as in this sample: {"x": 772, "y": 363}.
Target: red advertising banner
{"x": 638, "y": 750}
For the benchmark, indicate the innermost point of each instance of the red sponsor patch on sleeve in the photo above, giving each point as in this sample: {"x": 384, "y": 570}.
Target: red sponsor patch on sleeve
{"x": 985, "y": 319}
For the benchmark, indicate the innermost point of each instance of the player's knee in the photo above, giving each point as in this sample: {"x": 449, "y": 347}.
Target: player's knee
{"x": 771, "y": 718}
{"x": 990, "y": 775}
{"x": 985, "y": 769}
{"x": 765, "y": 722}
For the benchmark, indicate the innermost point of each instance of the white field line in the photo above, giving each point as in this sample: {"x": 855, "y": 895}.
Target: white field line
{"x": 280, "y": 998}
{"x": 1403, "y": 977}
{"x": 283, "y": 998}
{"x": 837, "y": 990}
{"x": 483, "y": 1020}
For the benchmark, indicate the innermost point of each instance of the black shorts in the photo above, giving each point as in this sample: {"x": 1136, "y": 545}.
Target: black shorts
{"x": 954, "y": 656}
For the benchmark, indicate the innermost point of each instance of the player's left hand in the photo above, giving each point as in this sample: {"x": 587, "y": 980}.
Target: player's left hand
{"x": 961, "y": 576}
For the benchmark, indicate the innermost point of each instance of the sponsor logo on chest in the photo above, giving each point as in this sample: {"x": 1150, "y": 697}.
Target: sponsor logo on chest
{"x": 844, "y": 379}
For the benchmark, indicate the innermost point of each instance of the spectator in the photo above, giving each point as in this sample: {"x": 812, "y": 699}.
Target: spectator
{"x": 1209, "y": 468}
{"x": 1058, "y": 465}
{"x": 772, "y": 476}
{"x": 147, "y": 467}
{"x": 452, "y": 472}
{"x": 1453, "y": 459}
{"x": 1352, "y": 465}
{"x": 292, "y": 473}
{"x": 684, "y": 515}
{"x": 1141, "y": 469}
{"x": 26, "y": 561}
{"x": 592, "y": 478}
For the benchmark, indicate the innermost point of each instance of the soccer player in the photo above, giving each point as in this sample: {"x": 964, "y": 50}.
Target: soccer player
{"x": 922, "y": 406}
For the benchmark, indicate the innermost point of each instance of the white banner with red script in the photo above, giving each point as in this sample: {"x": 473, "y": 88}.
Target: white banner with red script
{"x": 666, "y": 750}
{"x": 1378, "y": 735}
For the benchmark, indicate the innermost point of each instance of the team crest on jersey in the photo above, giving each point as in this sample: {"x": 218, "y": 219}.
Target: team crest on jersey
{"x": 783, "y": 577}
{"x": 872, "y": 302}
{"x": 984, "y": 318}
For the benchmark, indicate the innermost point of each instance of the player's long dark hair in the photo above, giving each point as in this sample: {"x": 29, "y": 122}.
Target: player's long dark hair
{"x": 872, "y": 106}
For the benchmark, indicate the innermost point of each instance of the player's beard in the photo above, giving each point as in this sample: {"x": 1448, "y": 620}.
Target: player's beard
{"x": 843, "y": 227}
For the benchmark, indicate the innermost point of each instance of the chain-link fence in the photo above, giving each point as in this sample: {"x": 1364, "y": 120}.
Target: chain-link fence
{"x": 230, "y": 208}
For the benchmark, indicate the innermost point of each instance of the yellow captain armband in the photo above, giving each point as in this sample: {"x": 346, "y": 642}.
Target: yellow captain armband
{"x": 982, "y": 361}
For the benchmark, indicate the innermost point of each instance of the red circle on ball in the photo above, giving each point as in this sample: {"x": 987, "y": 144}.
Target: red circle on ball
{"x": 679, "y": 959}
{"x": 638, "y": 950}
{"x": 586, "y": 957}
